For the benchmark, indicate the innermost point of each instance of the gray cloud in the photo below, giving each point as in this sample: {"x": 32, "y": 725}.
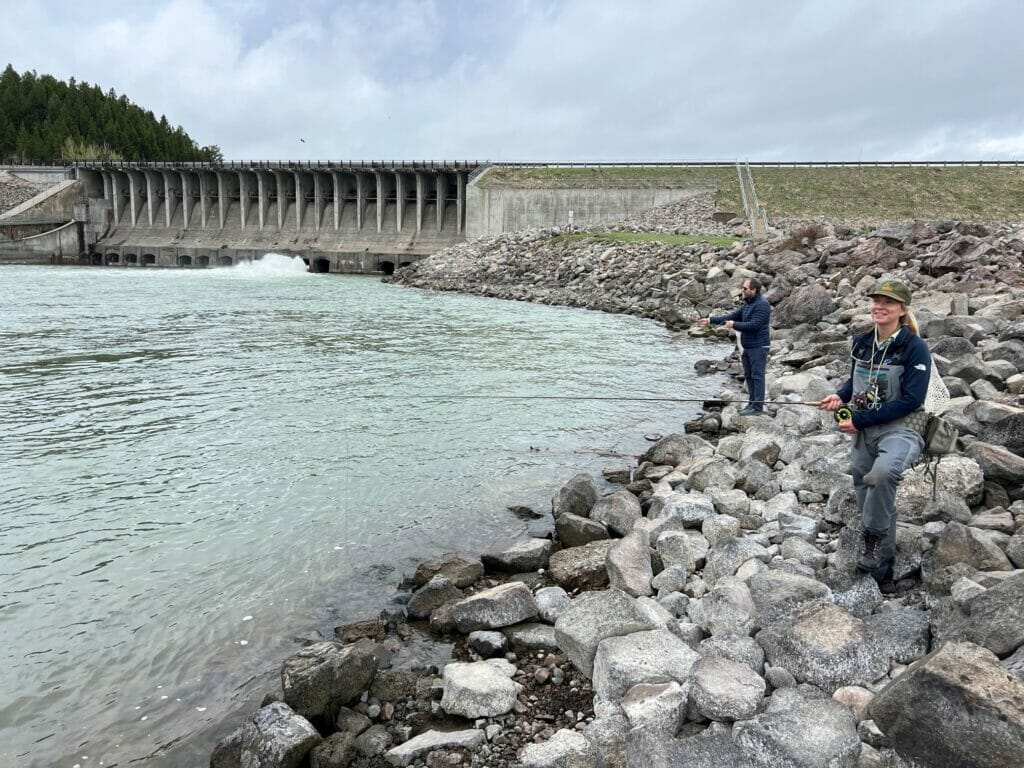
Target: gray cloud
{"x": 560, "y": 80}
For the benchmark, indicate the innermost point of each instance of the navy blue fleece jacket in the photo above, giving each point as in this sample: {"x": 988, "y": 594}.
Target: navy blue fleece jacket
{"x": 901, "y": 369}
{"x": 751, "y": 319}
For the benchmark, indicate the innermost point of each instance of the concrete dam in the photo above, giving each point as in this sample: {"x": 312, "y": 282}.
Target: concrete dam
{"x": 342, "y": 217}
{"x": 358, "y": 217}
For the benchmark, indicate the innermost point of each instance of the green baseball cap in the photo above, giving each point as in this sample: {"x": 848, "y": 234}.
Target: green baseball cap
{"x": 894, "y": 289}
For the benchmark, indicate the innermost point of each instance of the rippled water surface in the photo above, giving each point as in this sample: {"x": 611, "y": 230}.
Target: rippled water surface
{"x": 198, "y": 469}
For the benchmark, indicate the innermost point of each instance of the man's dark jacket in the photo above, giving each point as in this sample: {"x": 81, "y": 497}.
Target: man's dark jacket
{"x": 751, "y": 319}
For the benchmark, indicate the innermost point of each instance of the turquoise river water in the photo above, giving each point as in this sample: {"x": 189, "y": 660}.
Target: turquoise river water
{"x": 199, "y": 470}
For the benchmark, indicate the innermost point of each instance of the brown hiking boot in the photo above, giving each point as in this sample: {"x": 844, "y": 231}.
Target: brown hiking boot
{"x": 871, "y": 552}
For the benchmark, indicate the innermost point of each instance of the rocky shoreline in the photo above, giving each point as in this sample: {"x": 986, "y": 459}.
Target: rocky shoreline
{"x": 699, "y": 607}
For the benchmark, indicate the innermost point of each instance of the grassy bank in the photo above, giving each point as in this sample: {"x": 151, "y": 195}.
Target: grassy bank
{"x": 837, "y": 193}
{"x": 981, "y": 193}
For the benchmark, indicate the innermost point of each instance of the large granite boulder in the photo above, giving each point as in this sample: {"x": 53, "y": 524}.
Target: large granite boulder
{"x": 725, "y": 690}
{"x": 581, "y": 567}
{"x": 461, "y": 570}
{"x": 651, "y": 656}
{"x": 575, "y": 497}
{"x": 435, "y": 593}
{"x": 479, "y": 688}
{"x": 323, "y": 677}
{"x": 957, "y": 706}
{"x": 690, "y": 508}
{"x": 676, "y": 449}
{"x": 724, "y": 559}
{"x": 711, "y": 748}
{"x": 419, "y": 746}
{"x": 575, "y": 531}
{"x": 275, "y": 737}
{"x": 803, "y": 734}
{"x": 618, "y": 512}
{"x": 592, "y": 617}
{"x": 523, "y": 556}
{"x": 777, "y": 593}
{"x": 965, "y": 544}
{"x": 825, "y": 646}
{"x": 499, "y": 606}
{"x": 997, "y": 462}
{"x": 726, "y": 609}
{"x": 566, "y": 749}
{"x": 661, "y": 706}
{"x": 629, "y": 565}
{"x": 959, "y": 476}
{"x": 991, "y": 619}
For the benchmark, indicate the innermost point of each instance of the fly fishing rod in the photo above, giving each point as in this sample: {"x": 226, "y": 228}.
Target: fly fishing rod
{"x": 705, "y": 403}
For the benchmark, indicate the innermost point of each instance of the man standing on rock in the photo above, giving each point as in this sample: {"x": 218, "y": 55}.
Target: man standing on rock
{"x": 751, "y": 319}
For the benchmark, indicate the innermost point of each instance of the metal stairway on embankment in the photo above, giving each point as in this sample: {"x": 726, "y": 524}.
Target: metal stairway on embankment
{"x": 755, "y": 214}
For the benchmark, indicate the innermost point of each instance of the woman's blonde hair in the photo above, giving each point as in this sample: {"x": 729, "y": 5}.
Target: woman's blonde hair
{"x": 910, "y": 321}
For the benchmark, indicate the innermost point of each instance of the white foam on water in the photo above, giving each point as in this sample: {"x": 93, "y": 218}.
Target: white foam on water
{"x": 269, "y": 265}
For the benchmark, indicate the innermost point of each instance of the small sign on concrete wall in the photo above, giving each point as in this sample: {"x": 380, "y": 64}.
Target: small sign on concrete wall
{"x": 570, "y": 217}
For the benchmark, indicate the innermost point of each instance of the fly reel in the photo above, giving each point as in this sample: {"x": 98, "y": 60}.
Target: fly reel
{"x": 843, "y": 413}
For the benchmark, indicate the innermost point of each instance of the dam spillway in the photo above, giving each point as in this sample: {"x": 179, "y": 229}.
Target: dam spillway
{"x": 339, "y": 217}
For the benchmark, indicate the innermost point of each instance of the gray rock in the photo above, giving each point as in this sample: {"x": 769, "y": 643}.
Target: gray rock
{"x": 803, "y": 552}
{"x": 592, "y": 617}
{"x": 1015, "y": 663}
{"x": 691, "y": 508}
{"x": 525, "y": 555}
{"x": 461, "y": 570}
{"x": 962, "y": 544}
{"x": 566, "y": 749}
{"x": 727, "y": 609}
{"x": 901, "y": 634}
{"x": 719, "y": 528}
{"x": 711, "y": 748}
{"x": 488, "y": 643}
{"x": 575, "y": 531}
{"x": 1015, "y": 548}
{"x": 777, "y": 594}
{"x": 629, "y": 565}
{"x": 739, "y": 648}
{"x": 419, "y": 746}
{"x": 617, "y": 511}
{"x": 957, "y": 706}
{"x": 651, "y": 656}
{"x": 713, "y": 472}
{"x": 493, "y": 608}
{"x": 959, "y": 476}
{"x": 551, "y": 601}
{"x": 575, "y": 497}
{"x": 676, "y": 552}
{"x": 336, "y": 751}
{"x": 676, "y": 449}
{"x": 373, "y": 741}
{"x": 997, "y": 462}
{"x": 672, "y": 579}
{"x": 607, "y": 735}
{"x": 479, "y": 688}
{"x": 825, "y": 646}
{"x": 581, "y": 567}
{"x": 793, "y": 525}
{"x": 275, "y": 737}
{"x": 323, "y": 677}
{"x": 532, "y": 636}
{"x": 725, "y": 690}
{"x": 779, "y": 677}
{"x": 991, "y": 620}
{"x": 805, "y": 734}
{"x": 724, "y": 559}
{"x": 733, "y": 503}
{"x": 435, "y": 593}
{"x": 658, "y": 706}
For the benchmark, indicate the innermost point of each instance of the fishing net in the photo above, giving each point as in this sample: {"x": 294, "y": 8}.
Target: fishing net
{"x": 936, "y": 400}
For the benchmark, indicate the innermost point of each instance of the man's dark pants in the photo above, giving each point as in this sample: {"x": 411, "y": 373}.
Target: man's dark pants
{"x": 754, "y": 363}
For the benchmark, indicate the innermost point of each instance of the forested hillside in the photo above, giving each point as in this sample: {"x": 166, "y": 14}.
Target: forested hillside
{"x": 45, "y": 120}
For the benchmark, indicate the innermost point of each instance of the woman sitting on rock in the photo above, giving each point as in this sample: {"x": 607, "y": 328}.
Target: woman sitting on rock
{"x": 884, "y": 397}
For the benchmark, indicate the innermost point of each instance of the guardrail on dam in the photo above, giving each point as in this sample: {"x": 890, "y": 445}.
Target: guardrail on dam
{"x": 340, "y": 217}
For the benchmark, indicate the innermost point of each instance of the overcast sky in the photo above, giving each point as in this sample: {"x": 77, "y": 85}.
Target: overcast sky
{"x": 568, "y": 80}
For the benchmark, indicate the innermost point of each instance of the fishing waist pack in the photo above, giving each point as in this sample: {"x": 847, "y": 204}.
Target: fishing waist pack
{"x": 939, "y": 435}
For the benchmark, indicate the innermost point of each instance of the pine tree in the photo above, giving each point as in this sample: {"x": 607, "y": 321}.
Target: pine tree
{"x": 43, "y": 119}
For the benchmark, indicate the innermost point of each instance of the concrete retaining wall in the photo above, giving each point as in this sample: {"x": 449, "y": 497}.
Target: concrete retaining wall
{"x": 39, "y": 174}
{"x": 59, "y": 246}
{"x": 492, "y": 210}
